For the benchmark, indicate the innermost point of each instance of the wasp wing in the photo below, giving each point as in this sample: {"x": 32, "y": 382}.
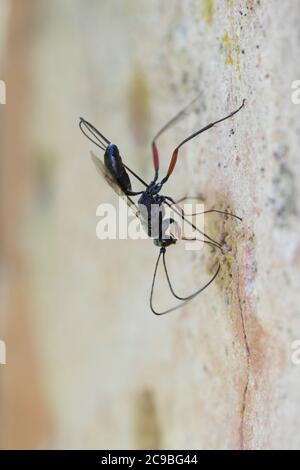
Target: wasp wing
{"x": 101, "y": 168}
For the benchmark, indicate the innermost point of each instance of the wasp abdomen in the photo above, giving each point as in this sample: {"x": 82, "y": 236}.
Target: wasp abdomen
{"x": 114, "y": 164}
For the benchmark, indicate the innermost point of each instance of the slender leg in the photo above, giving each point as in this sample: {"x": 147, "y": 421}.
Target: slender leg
{"x": 161, "y": 251}
{"x": 211, "y": 240}
{"x": 194, "y": 239}
{"x": 176, "y": 150}
{"x": 204, "y": 212}
{"x": 184, "y": 198}
{"x": 102, "y": 142}
{"x": 93, "y": 134}
{"x": 185, "y": 299}
{"x": 189, "y": 297}
{"x": 132, "y": 193}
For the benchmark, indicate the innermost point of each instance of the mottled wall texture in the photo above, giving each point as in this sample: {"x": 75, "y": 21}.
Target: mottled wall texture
{"x": 87, "y": 364}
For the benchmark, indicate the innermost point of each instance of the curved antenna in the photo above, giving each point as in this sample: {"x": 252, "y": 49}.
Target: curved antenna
{"x": 162, "y": 252}
{"x": 93, "y": 134}
{"x": 189, "y": 297}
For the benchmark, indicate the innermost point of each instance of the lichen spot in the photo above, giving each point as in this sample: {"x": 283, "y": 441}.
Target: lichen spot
{"x": 147, "y": 426}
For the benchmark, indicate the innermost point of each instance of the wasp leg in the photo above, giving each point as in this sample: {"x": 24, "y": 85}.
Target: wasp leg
{"x": 195, "y": 134}
{"x": 185, "y": 299}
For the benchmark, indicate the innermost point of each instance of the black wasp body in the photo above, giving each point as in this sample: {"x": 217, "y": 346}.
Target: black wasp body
{"x": 151, "y": 204}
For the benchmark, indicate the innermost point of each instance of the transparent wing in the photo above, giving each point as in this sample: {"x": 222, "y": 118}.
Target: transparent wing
{"x": 101, "y": 168}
